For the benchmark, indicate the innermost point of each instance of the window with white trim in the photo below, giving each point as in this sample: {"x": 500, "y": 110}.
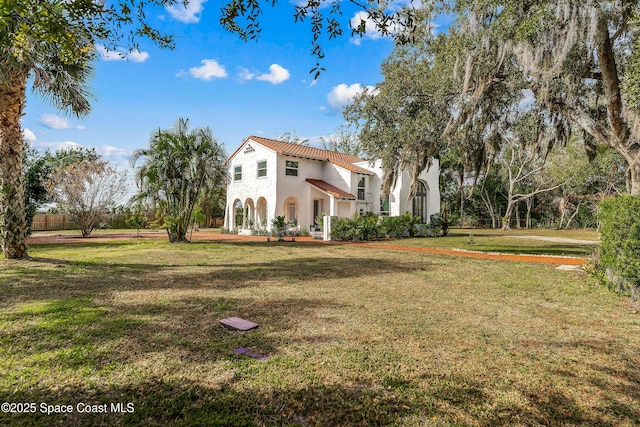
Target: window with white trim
{"x": 292, "y": 211}
{"x": 237, "y": 173}
{"x": 291, "y": 168}
{"x": 361, "y": 188}
{"x": 262, "y": 168}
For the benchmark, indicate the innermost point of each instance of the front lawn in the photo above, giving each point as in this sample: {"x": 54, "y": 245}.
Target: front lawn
{"x": 354, "y": 336}
{"x": 511, "y": 241}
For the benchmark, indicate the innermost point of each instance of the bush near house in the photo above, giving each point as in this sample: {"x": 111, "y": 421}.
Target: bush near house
{"x": 399, "y": 226}
{"x": 619, "y": 262}
{"x": 371, "y": 227}
{"x": 360, "y": 227}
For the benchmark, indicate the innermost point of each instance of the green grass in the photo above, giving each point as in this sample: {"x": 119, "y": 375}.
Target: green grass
{"x": 355, "y": 336}
{"x": 487, "y": 240}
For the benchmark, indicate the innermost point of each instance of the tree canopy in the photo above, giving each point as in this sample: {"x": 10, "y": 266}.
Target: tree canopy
{"x": 577, "y": 61}
{"x": 87, "y": 188}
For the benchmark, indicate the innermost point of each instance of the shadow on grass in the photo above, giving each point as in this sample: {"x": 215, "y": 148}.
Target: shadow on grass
{"x": 450, "y": 400}
{"x": 77, "y": 278}
{"x": 74, "y": 333}
{"x": 179, "y": 404}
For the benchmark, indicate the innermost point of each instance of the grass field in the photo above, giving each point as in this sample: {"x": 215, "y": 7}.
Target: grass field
{"x": 354, "y": 336}
{"x": 511, "y": 241}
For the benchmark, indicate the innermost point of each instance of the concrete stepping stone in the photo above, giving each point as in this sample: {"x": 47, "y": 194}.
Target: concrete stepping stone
{"x": 238, "y": 324}
{"x": 248, "y": 352}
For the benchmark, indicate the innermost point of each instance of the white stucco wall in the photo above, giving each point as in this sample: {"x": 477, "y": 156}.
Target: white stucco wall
{"x": 252, "y": 187}
{"x": 398, "y": 197}
{"x": 297, "y": 187}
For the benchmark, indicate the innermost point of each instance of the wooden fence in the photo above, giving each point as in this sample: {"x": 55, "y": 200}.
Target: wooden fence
{"x": 47, "y": 222}
{"x": 52, "y": 222}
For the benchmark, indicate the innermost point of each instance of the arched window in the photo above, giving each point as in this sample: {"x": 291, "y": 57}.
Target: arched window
{"x": 420, "y": 202}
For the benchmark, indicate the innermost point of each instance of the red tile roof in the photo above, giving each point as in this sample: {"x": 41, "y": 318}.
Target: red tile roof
{"x": 345, "y": 161}
{"x": 331, "y": 189}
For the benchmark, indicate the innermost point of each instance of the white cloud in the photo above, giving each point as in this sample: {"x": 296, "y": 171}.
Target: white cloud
{"x": 137, "y": 56}
{"x": 28, "y": 135}
{"x": 210, "y": 69}
{"x": 277, "y": 74}
{"x": 55, "y": 145}
{"x": 245, "y": 75}
{"x": 121, "y": 55}
{"x": 372, "y": 30}
{"x": 56, "y": 122}
{"x": 188, "y": 13}
{"x": 110, "y": 152}
{"x": 343, "y": 94}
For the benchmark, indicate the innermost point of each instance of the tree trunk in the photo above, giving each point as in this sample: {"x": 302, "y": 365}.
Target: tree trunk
{"x": 573, "y": 216}
{"x": 563, "y": 211}
{"x": 13, "y": 220}
{"x": 634, "y": 173}
{"x": 507, "y": 216}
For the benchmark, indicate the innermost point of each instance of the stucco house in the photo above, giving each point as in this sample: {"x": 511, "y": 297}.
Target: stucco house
{"x": 269, "y": 178}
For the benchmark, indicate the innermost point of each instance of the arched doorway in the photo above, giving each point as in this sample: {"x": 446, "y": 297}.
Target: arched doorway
{"x": 261, "y": 214}
{"x": 238, "y": 214}
{"x": 249, "y": 214}
{"x": 290, "y": 209}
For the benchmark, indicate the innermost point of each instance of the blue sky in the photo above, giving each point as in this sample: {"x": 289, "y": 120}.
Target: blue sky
{"x": 237, "y": 88}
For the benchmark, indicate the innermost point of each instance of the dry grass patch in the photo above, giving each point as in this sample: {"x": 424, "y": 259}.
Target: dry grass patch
{"x": 354, "y": 337}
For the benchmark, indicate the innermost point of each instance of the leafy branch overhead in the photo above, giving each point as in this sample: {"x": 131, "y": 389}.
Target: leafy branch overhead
{"x": 242, "y": 17}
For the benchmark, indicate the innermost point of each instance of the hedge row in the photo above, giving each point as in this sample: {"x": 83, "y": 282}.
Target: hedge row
{"x": 619, "y": 263}
{"x": 372, "y": 227}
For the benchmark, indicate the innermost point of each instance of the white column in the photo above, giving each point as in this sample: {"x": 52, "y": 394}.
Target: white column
{"x": 326, "y": 227}
{"x": 333, "y": 206}
{"x": 226, "y": 216}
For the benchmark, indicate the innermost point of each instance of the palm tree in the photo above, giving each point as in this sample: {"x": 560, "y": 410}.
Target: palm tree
{"x": 56, "y": 53}
{"x": 179, "y": 166}
{"x": 51, "y": 43}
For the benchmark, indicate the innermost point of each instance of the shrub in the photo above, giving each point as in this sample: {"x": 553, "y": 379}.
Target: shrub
{"x": 279, "y": 227}
{"x": 400, "y": 226}
{"x": 441, "y": 223}
{"x": 360, "y": 227}
{"x": 137, "y": 221}
{"x": 619, "y": 260}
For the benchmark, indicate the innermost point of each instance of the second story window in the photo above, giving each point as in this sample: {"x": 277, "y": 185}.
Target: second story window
{"x": 361, "y": 188}
{"x": 262, "y": 169}
{"x": 237, "y": 173}
{"x": 291, "y": 168}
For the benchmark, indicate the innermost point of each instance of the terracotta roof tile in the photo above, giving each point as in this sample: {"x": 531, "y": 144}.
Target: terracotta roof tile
{"x": 345, "y": 161}
{"x": 331, "y": 189}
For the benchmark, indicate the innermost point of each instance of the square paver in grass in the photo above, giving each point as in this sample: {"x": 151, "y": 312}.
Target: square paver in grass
{"x": 248, "y": 352}
{"x": 238, "y": 324}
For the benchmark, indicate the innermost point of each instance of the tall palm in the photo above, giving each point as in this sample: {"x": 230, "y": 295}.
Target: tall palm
{"x": 56, "y": 53}
{"x": 178, "y": 167}
{"x": 52, "y": 44}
